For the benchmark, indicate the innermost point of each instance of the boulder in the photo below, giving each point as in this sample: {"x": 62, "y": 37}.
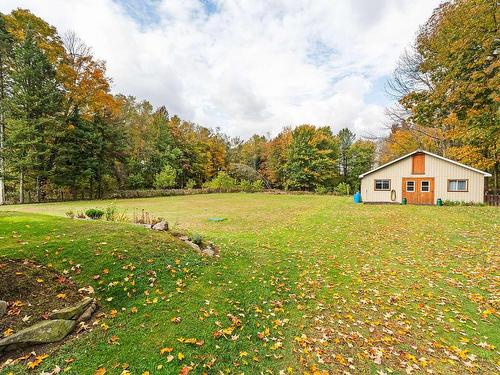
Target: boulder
{"x": 161, "y": 226}
{"x": 40, "y": 333}
{"x": 87, "y": 314}
{"x": 72, "y": 312}
{"x": 3, "y": 308}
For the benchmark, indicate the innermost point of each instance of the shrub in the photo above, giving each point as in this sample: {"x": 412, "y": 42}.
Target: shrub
{"x": 243, "y": 172}
{"x": 258, "y": 185}
{"x": 145, "y": 217}
{"x": 94, "y": 213}
{"x": 191, "y": 184}
{"x": 135, "y": 181}
{"x": 342, "y": 188}
{"x": 246, "y": 185}
{"x": 70, "y": 214}
{"x": 251, "y": 187}
{"x": 461, "y": 203}
{"x": 166, "y": 178}
{"x": 222, "y": 182}
{"x": 80, "y": 215}
{"x": 321, "y": 190}
{"x": 197, "y": 239}
{"x": 110, "y": 213}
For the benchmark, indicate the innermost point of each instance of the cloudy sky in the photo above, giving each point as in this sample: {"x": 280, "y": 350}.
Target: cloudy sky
{"x": 248, "y": 66}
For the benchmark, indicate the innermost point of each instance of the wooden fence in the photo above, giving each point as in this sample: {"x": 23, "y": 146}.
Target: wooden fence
{"x": 492, "y": 199}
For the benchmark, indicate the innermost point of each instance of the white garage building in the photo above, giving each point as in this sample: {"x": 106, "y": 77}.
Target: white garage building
{"x": 422, "y": 177}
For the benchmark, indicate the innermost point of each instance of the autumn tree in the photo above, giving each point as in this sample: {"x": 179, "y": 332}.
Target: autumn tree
{"x": 448, "y": 83}
{"x": 276, "y": 156}
{"x": 311, "y": 159}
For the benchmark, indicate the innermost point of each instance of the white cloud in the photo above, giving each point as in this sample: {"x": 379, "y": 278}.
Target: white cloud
{"x": 249, "y": 66}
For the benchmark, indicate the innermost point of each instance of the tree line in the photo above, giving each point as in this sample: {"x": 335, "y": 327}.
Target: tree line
{"x": 447, "y": 87}
{"x": 64, "y": 135}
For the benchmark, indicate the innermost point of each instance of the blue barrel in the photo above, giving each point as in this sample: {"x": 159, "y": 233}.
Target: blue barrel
{"x": 357, "y": 197}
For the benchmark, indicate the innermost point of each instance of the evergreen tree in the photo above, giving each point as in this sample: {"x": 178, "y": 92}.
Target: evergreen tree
{"x": 74, "y": 150}
{"x": 346, "y": 139}
{"x": 5, "y": 60}
{"x": 107, "y": 143}
{"x": 33, "y": 106}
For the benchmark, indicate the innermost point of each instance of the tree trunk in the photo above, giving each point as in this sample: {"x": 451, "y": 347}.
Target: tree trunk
{"x": 38, "y": 190}
{"x": 2, "y": 167}
{"x": 99, "y": 188}
{"x": 21, "y": 187}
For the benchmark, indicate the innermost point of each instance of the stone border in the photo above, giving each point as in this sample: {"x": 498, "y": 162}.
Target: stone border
{"x": 59, "y": 325}
{"x": 162, "y": 226}
{"x": 210, "y": 249}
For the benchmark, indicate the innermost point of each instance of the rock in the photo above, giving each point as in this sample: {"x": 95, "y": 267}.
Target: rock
{"x": 72, "y": 312}
{"x": 209, "y": 251}
{"x": 87, "y": 314}
{"x": 193, "y": 245}
{"x": 162, "y": 225}
{"x": 3, "y": 308}
{"x": 149, "y": 226}
{"x": 40, "y": 333}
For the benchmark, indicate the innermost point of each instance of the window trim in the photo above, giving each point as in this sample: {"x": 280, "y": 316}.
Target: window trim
{"x": 422, "y": 186}
{"x": 457, "y": 191}
{"x": 414, "y": 186}
{"x": 381, "y": 179}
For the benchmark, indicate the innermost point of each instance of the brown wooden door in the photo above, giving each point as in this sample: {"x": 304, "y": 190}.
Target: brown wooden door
{"x": 418, "y": 190}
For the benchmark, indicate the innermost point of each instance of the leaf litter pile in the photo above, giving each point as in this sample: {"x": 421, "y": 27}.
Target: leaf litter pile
{"x": 320, "y": 288}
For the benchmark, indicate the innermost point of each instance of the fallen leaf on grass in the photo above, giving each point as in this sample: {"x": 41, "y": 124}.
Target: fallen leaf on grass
{"x": 38, "y": 360}
{"x": 8, "y": 332}
{"x": 191, "y": 340}
{"x": 113, "y": 340}
{"x": 55, "y": 371}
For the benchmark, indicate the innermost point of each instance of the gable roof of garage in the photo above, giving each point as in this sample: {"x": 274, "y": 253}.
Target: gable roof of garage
{"x": 485, "y": 174}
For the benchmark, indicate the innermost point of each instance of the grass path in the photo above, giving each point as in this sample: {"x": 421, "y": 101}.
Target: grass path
{"x": 310, "y": 283}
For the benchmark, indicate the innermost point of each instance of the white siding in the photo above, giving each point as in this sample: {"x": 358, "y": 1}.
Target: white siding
{"x": 441, "y": 170}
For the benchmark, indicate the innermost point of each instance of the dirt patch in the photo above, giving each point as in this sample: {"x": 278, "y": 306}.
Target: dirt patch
{"x": 32, "y": 291}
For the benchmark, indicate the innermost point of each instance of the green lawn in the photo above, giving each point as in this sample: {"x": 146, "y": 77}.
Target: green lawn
{"x": 310, "y": 282}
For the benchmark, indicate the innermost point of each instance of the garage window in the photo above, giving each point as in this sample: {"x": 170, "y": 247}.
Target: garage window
{"x": 425, "y": 186}
{"x": 458, "y": 185}
{"x": 382, "y": 184}
{"x": 410, "y": 186}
